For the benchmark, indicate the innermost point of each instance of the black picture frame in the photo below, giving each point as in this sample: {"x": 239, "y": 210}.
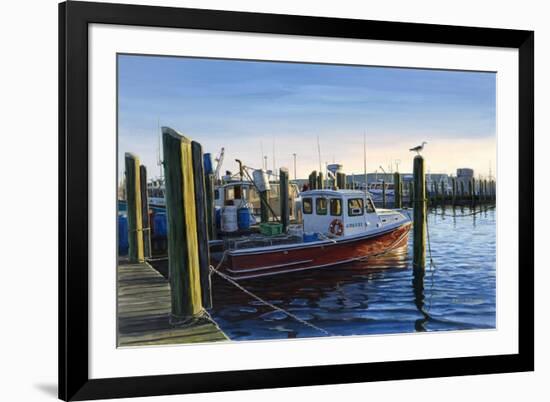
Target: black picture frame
{"x": 74, "y": 18}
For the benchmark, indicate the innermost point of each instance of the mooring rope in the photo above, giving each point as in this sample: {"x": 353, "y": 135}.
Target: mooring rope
{"x": 271, "y": 305}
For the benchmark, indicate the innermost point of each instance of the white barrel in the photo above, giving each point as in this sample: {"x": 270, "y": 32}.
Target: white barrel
{"x": 260, "y": 180}
{"x": 229, "y": 219}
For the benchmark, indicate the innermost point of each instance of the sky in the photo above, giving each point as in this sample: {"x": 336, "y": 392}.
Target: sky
{"x": 274, "y": 109}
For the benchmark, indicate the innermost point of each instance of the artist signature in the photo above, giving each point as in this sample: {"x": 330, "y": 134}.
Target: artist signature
{"x": 467, "y": 300}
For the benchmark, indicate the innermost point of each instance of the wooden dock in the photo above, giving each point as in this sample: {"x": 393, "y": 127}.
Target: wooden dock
{"x": 143, "y": 311}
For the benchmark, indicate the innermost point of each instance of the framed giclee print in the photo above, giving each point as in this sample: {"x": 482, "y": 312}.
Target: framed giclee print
{"x": 256, "y": 200}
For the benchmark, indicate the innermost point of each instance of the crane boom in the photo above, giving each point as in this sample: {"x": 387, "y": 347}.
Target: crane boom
{"x": 219, "y": 161}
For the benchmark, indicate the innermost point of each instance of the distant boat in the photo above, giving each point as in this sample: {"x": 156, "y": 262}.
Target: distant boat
{"x": 376, "y": 190}
{"x": 339, "y": 226}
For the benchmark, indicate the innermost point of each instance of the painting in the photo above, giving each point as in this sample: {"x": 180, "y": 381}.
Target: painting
{"x": 272, "y": 200}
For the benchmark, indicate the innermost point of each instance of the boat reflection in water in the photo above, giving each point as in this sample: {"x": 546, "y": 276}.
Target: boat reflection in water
{"x": 378, "y": 296}
{"x": 337, "y": 299}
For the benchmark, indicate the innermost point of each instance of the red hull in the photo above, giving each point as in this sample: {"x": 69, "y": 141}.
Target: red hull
{"x": 253, "y": 264}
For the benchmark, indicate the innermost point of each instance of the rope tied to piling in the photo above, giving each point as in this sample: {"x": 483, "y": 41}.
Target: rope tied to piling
{"x": 258, "y": 298}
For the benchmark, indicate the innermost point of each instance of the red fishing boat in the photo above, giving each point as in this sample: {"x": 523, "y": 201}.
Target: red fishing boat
{"x": 339, "y": 226}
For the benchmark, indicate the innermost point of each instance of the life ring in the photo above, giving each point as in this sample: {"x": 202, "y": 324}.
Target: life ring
{"x": 336, "y": 227}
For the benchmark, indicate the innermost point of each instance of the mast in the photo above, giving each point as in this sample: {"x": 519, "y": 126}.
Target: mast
{"x": 319, "y": 153}
{"x": 274, "y": 156}
{"x": 262, "y": 151}
{"x": 159, "y": 158}
{"x": 365, "y": 161}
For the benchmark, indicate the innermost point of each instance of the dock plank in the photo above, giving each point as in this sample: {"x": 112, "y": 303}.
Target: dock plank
{"x": 143, "y": 311}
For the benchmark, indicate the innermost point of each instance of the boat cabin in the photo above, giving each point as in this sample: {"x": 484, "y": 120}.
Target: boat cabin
{"x": 343, "y": 213}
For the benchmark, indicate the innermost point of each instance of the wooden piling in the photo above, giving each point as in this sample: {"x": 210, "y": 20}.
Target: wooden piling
{"x": 443, "y": 195}
{"x": 283, "y": 198}
{"x": 340, "y": 180}
{"x": 397, "y": 190}
{"x": 145, "y": 212}
{"x": 435, "y": 194}
{"x": 462, "y": 195}
{"x": 313, "y": 180}
{"x": 201, "y": 208}
{"x": 134, "y": 209}
{"x": 183, "y": 258}
{"x": 419, "y": 214}
{"x": 411, "y": 194}
{"x": 454, "y": 191}
{"x": 209, "y": 181}
{"x": 383, "y": 194}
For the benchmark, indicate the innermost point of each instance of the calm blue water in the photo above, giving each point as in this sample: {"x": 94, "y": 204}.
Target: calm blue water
{"x": 381, "y": 296}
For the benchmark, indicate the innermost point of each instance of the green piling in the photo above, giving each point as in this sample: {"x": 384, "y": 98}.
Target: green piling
{"x": 315, "y": 180}
{"x": 209, "y": 182}
{"x": 340, "y": 180}
{"x": 183, "y": 243}
{"x": 453, "y": 191}
{"x": 134, "y": 209}
{"x": 419, "y": 214}
{"x": 320, "y": 182}
{"x": 145, "y": 212}
{"x": 201, "y": 208}
{"x": 283, "y": 198}
{"x": 383, "y": 194}
{"x": 397, "y": 190}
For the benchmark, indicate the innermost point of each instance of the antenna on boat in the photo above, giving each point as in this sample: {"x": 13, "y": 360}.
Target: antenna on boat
{"x": 262, "y": 151}
{"x": 159, "y": 158}
{"x": 365, "y": 161}
{"x": 326, "y": 174}
{"x": 319, "y": 153}
{"x": 274, "y": 170}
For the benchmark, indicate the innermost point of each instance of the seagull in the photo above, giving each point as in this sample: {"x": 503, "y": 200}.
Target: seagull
{"x": 418, "y": 148}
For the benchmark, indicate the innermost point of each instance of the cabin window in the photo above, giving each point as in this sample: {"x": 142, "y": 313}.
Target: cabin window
{"x": 307, "y": 206}
{"x": 321, "y": 206}
{"x": 229, "y": 193}
{"x": 237, "y": 195}
{"x": 355, "y": 207}
{"x": 335, "y": 206}
{"x": 217, "y": 194}
{"x": 370, "y": 206}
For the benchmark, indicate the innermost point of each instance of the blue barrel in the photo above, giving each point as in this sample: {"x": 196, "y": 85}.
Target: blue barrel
{"x": 243, "y": 218}
{"x": 122, "y": 235}
{"x": 160, "y": 225}
{"x": 207, "y": 159}
{"x": 309, "y": 237}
